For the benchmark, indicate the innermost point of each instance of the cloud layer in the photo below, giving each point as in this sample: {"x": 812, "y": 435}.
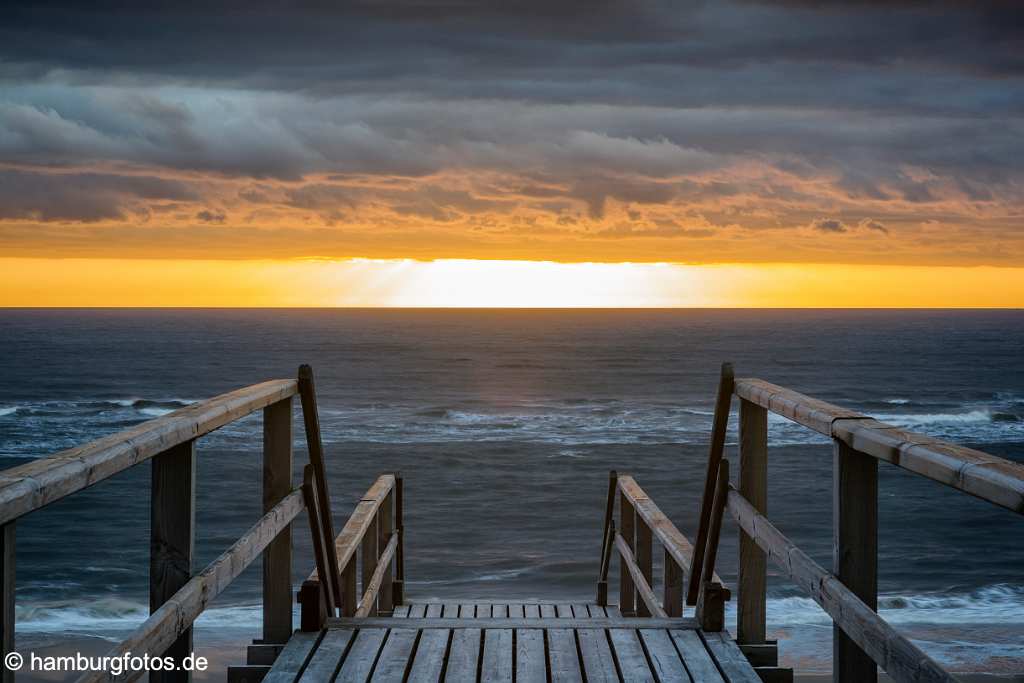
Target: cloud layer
{"x": 737, "y": 131}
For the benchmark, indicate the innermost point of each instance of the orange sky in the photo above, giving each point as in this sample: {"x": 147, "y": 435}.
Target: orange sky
{"x": 478, "y": 283}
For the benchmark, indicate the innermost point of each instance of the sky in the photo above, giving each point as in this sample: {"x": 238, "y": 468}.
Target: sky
{"x": 622, "y": 153}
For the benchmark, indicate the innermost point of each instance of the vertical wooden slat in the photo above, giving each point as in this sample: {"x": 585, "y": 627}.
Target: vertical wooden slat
{"x": 317, "y": 598}
{"x": 644, "y": 560}
{"x": 172, "y": 541}
{"x": 627, "y": 591}
{"x": 673, "y": 600}
{"x": 277, "y": 558}
{"x": 7, "y": 568}
{"x": 606, "y": 540}
{"x": 349, "y": 598}
{"x": 710, "y": 600}
{"x": 718, "y": 429}
{"x": 385, "y": 529}
{"x": 314, "y": 443}
{"x": 854, "y": 552}
{"x": 371, "y": 554}
{"x": 753, "y": 570}
{"x": 398, "y": 585}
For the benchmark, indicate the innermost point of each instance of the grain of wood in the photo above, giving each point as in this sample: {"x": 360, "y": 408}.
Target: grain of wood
{"x": 277, "y": 558}
{"x": 496, "y": 665}
{"x": 563, "y": 656}
{"x": 596, "y": 654}
{"x": 429, "y": 659}
{"x": 327, "y": 657}
{"x": 395, "y": 656}
{"x": 293, "y": 657}
{"x": 362, "y": 655}
{"x": 629, "y": 653}
{"x": 664, "y": 658}
{"x": 464, "y": 656}
{"x": 694, "y": 654}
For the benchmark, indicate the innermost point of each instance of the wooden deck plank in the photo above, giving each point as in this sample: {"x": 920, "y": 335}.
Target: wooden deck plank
{"x": 401, "y": 611}
{"x": 629, "y": 653}
{"x": 362, "y": 656}
{"x": 730, "y": 658}
{"x": 451, "y": 610}
{"x": 417, "y": 611}
{"x": 613, "y": 611}
{"x": 327, "y": 656}
{"x": 564, "y": 658}
{"x": 293, "y": 657}
{"x": 496, "y": 666}
{"x": 698, "y": 661}
{"x": 531, "y": 660}
{"x": 516, "y": 610}
{"x": 547, "y": 610}
{"x": 499, "y": 611}
{"x": 580, "y": 611}
{"x": 564, "y": 612}
{"x": 428, "y": 661}
{"x": 395, "y": 655}
{"x": 464, "y": 656}
{"x": 435, "y": 610}
{"x": 598, "y": 663}
{"x": 467, "y": 610}
{"x": 663, "y": 656}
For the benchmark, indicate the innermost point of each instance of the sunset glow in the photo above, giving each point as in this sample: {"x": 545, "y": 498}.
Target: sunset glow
{"x": 523, "y": 284}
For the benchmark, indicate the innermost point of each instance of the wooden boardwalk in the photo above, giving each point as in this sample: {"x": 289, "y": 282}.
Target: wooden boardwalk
{"x": 525, "y": 642}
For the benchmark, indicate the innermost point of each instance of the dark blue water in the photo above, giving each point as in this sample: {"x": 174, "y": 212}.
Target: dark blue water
{"x": 505, "y": 424}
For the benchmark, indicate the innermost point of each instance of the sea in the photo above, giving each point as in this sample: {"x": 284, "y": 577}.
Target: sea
{"x": 504, "y": 425}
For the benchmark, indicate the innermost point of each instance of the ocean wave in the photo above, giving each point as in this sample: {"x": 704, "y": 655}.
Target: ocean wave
{"x": 111, "y": 617}
{"x": 11, "y": 410}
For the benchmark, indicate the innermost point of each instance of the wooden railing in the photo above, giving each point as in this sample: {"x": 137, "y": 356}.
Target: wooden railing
{"x": 640, "y": 523}
{"x": 177, "y": 595}
{"x": 862, "y": 640}
{"x": 370, "y": 541}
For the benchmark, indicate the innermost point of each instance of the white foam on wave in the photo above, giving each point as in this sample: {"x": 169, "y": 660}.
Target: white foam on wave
{"x": 8, "y": 411}
{"x": 919, "y": 419}
{"x": 111, "y": 617}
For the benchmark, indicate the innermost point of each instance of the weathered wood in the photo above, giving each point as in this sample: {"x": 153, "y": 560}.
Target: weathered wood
{"x": 671, "y": 539}
{"x": 665, "y": 662}
{"x": 262, "y": 653}
{"x": 361, "y": 657}
{"x": 900, "y": 658}
{"x": 563, "y": 657}
{"x": 719, "y": 425}
{"x": 398, "y": 586}
{"x": 854, "y": 552}
{"x": 712, "y": 595}
{"x": 176, "y": 615}
{"x": 606, "y": 540}
{"x": 277, "y": 558}
{"x": 385, "y": 531}
{"x": 464, "y": 656}
{"x": 326, "y": 658}
{"x": 698, "y": 660}
{"x": 429, "y": 660}
{"x": 730, "y": 660}
{"x": 596, "y": 654}
{"x": 673, "y": 592}
{"x": 648, "y": 600}
{"x": 395, "y": 655}
{"x": 752, "y": 578}
{"x": 551, "y": 621}
{"x": 7, "y": 590}
{"x": 369, "y": 551}
{"x": 38, "y": 483}
{"x": 630, "y": 655}
{"x": 645, "y": 562}
{"x": 349, "y": 592}
{"x": 810, "y": 412}
{"x": 627, "y": 531}
{"x": 989, "y": 477}
{"x": 531, "y": 662}
{"x": 292, "y": 658}
{"x": 376, "y": 580}
{"x": 496, "y": 663}
{"x": 312, "y": 588}
{"x": 172, "y": 542}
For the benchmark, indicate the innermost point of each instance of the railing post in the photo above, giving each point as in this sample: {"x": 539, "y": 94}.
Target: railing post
{"x": 627, "y": 591}
{"x": 385, "y": 529}
{"x": 370, "y": 555}
{"x": 607, "y": 540}
{"x": 349, "y": 599}
{"x": 644, "y": 560}
{"x": 7, "y": 609}
{"x": 277, "y": 558}
{"x": 673, "y": 600}
{"x": 854, "y": 552}
{"x": 753, "y": 570}
{"x": 172, "y": 541}
{"x": 398, "y": 590}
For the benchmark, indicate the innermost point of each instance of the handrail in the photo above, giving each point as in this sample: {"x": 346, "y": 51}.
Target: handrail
{"x": 373, "y": 531}
{"x": 989, "y": 477}
{"x": 176, "y": 615}
{"x": 873, "y": 634}
{"x": 28, "y": 487}
{"x": 643, "y": 588}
